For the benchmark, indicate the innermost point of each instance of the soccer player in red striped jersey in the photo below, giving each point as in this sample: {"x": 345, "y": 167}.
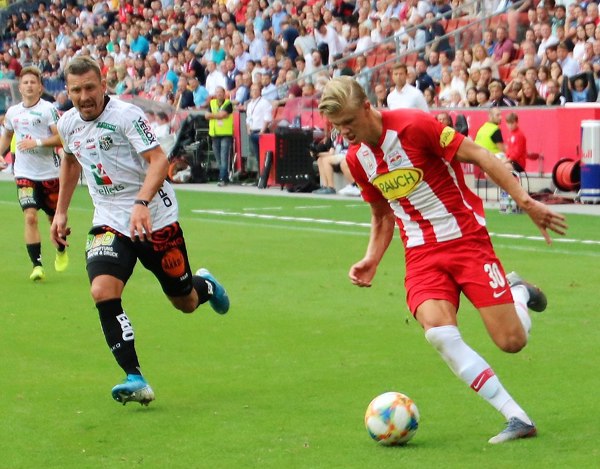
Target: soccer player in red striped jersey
{"x": 408, "y": 167}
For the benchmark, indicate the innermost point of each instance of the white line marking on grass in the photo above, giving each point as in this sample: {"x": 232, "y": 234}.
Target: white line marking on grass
{"x": 262, "y": 208}
{"x": 326, "y": 221}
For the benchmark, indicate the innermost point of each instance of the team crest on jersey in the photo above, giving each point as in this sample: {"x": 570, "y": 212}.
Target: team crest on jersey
{"x": 398, "y": 183}
{"x": 447, "y": 136}
{"x": 105, "y": 142}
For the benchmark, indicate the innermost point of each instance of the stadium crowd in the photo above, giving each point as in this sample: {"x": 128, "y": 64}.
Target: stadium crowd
{"x": 178, "y": 52}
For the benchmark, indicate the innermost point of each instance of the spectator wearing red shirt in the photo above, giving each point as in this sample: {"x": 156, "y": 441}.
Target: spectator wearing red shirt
{"x": 516, "y": 145}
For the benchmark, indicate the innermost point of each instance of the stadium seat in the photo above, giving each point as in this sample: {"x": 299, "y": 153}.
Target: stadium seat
{"x": 540, "y": 159}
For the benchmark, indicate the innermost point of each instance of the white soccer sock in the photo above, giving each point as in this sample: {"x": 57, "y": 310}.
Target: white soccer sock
{"x": 470, "y": 367}
{"x": 521, "y": 297}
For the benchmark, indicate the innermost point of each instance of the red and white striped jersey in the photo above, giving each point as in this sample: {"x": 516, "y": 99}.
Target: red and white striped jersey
{"x": 414, "y": 168}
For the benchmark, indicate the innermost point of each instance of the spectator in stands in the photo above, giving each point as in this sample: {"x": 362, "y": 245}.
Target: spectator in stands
{"x": 269, "y": 90}
{"x": 214, "y": 78}
{"x": 580, "y": 88}
{"x": 192, "y": 67}
{"x": 489, "y": 135}
{"x": 381, "y": 94}
{"x": 434, "y": 31}
{"x": 445, "y": 88}
{"x": 556, "y": 72}
{"x": 137, "y": 43}
{"x": 430, "y": 97}
{"x": 503, "y": 49}
{"x": 569, "y": 65}
{"x": 516, "y": 145}
{"x": 184, "y": 98}
{"x": 513, "y": 88}
{"x": 547, "y": 39}
{"x": 63, "y": 103}
{"x": 199, "y": 93}
{"x": 162, "y": 127}
{"x": 471, "y": 97}
{"x": 483, "y": 97}
{"x": 482, "y": 59}
{"x": 553, "y": 97}
{"x": 434, "y": 69}
{"x": 424, "y": 81}
{"x": 241, "y": 93}
{"x": 124, "y": 82}
{"x": 404, "y": 95}
{"x": 529, "y": 95}
{"x": 497, "y": 96}
{"x": 445, "y": 119}
{"x": 488, "y": 42}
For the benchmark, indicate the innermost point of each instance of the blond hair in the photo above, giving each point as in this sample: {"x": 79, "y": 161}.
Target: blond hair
{"x": 341, "y": 94}
{"x": 31, "y": 70}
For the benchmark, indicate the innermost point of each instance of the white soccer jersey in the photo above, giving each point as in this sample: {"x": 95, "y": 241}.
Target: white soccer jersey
{"x": 108, "y": 149}
{"x": 29, "y": 123}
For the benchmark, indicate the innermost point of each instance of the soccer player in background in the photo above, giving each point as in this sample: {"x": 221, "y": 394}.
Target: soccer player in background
{"x": 135, "y": 215}
{"x": 408, "y": 168}
{"x": 36, "y": 164}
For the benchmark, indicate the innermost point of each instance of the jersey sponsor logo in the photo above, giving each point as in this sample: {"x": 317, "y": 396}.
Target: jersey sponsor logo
{"x": 398, "y": 183}
{"x": 104, "y": 181}
{"x": 173, "y": 263}
{"x": 144, "y": 131}
{"x": 100, "y": 175}
{"x": 106, "y": 142}
{"x": 447, "y": 136}
{"x": 76, "y": 130}
{"x": 107, "y": 126}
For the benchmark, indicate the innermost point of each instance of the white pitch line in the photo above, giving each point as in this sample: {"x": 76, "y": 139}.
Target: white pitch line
{"x": 326, "y": 221}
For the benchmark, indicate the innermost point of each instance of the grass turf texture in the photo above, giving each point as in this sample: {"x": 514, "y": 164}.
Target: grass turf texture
{"x": 284, "y": 379}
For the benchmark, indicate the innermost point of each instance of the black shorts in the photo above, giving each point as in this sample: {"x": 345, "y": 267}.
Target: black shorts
{"x": 41, "y": 195}
{"x": 109, "y": 252}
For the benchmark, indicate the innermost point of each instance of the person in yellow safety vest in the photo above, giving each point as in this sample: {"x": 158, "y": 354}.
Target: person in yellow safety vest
{"x": 489, "y": 135}
{"x": 220, "y": 129}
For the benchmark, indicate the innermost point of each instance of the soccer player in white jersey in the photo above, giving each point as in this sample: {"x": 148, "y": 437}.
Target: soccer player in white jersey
{"x": 135, "y": 215}
{"x": 407, "y": 165}
{"x": 36, "y": 165}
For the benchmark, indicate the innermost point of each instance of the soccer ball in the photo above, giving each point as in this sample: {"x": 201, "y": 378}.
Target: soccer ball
{"x": 392, "y": 419}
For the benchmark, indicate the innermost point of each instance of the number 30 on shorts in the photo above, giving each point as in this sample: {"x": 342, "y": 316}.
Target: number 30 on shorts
{"x": 497, "y": 280}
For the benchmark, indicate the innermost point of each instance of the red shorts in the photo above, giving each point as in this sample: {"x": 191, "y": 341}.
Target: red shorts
{"x": 445, "y": 270}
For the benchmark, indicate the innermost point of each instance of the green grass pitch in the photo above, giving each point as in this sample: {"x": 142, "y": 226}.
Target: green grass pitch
{"x": 283, "y": 380}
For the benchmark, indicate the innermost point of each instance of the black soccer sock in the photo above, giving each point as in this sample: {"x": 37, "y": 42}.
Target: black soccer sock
{"x": 118, "y": 333}
{"x": 203, "y": 287}
{"x": 35, "y": 253}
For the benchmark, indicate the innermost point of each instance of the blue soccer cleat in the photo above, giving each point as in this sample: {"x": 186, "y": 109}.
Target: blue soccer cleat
{"x": 134, "y": 389}
{"x": 219, "y": 299}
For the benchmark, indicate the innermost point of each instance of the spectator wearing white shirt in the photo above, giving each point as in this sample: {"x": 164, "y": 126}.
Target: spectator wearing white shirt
{"x": 405, "y": 95}
{"x": 214, "y": 78}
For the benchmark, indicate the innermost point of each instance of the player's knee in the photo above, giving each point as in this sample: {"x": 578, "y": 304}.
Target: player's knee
{"x": 513, "y": 342}
{"x": 31, "y": 218}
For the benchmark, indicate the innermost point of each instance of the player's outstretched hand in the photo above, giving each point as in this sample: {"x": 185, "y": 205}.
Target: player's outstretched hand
{"x": 546, "y": 219}
{"x": 141, "y": 223}
{"x": 59, "y": 230}
{"x": 362, "y": 273}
